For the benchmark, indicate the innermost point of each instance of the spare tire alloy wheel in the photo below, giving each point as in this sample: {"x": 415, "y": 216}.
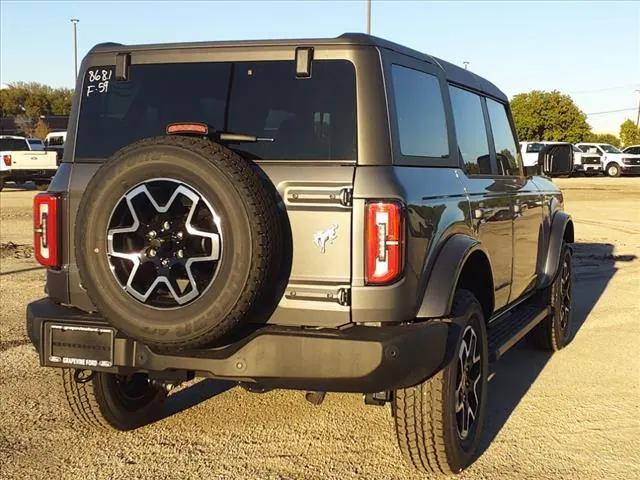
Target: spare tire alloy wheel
{"x": 177, "y": 241}
{"x": 164, "y": 254}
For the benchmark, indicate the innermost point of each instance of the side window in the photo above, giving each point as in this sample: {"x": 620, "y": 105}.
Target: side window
{"x": 420, "y": 111}
{"x": 471, "y": 131}
{"x": 507, "y": 155}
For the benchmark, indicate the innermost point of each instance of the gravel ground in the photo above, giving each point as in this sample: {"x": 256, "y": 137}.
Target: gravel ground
{"x": 573, "y": 415}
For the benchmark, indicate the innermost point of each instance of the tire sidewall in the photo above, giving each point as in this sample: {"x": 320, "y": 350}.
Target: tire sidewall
{"x": 107, "y": 187}
{"x": 116, "y": 412}
{"x": 462, "y": 452}
{"x": 616, "y": 168}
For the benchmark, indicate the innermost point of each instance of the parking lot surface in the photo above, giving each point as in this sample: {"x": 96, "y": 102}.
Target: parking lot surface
{"x": 570, "y": 415}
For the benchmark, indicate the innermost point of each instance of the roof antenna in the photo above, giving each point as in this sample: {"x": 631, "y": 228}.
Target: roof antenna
{"x": 466, "y": 65}
{"x": 368, "y": 17}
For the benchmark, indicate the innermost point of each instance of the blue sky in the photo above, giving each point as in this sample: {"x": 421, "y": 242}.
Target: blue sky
{"x": 589, "y": 50}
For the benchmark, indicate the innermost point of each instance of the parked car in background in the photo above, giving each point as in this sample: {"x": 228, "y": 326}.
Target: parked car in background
{"x": 26, "y": 162}
{"x": 633, "y": 149}
{"x": 54, "y": 142}
{"x": 614, "y": 161}
{"x": 530, "y": 152}
{"x": 589, "y": 164}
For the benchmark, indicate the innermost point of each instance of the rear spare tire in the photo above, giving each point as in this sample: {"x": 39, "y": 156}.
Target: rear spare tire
{"x": 176, "y": 238}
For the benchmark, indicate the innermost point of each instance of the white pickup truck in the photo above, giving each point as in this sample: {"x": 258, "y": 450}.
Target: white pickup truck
{"x": 26, "y": 161}
{"x": 583, "y": 161}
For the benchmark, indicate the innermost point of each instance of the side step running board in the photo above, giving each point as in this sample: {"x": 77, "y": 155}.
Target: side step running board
{"x": 510, "y": 330}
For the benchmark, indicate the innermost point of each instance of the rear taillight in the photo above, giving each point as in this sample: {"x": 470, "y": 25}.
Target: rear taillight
{"x": 385, "y": 242}
{"x": 45, "y": 229}
{"x": 7, "y": 160}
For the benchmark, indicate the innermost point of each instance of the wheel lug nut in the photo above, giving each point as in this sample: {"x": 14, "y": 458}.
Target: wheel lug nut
{"x": 166, "y": 226}
{"x": 179, "y": 235}
{"x": 180, "y": 253}
{"x": 152, "y": 234}
{"x": 152, "y": 252}
{"x": 165, "y": 262}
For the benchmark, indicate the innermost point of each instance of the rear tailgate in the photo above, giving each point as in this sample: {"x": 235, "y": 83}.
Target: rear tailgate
{"x": 33, "y": 160}
{"x": 318, "y": 203}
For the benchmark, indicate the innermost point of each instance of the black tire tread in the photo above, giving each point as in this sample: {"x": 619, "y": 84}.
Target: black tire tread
{"x": 419, "y": 415}
{"x": 544, "y": 336}
{"x": 82, "y": 401}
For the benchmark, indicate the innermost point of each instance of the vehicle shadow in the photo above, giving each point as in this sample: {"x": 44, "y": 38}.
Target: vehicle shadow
{"x": 593, "y": 268}
{"x": 194, "y": 395}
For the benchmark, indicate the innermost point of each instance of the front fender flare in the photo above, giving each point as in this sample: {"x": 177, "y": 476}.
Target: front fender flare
{"x": 444, "y": 275}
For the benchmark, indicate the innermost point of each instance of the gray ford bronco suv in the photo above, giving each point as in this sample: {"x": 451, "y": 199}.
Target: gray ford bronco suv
{"x": 327, "y": 215}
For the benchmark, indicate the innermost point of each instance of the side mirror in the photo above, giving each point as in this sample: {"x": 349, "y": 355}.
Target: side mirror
{"x": 556, "y": 159}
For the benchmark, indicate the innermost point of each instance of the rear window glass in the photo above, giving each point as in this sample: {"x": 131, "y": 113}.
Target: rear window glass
{"x": 36, "y": 144}
{"x": 308, "y": 119}
{"x": 15, "y": 144}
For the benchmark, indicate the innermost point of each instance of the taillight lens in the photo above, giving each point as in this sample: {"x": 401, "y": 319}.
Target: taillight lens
{"x": 45, "y": 229}
{"x": 7, "y": 160}
{"x": 385, "y": 242}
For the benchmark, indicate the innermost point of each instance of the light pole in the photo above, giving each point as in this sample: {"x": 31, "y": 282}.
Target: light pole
{"x": 368, "y": 17}
{"x": 638, "y": 117}
{"x": 75, "y": 48}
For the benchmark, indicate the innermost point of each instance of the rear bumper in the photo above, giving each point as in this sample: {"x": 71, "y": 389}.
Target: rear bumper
{"x": 588, "y": 167}
{"x": 45, "y": 174}
{"x": 633, "y": 169}
{"x": 355, "y": 359}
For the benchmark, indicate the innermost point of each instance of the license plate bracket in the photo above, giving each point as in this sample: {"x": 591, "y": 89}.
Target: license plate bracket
{"x": 80, "y": 346}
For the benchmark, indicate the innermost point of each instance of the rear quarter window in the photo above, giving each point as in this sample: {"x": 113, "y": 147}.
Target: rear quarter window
{"x": 422, "y": 126}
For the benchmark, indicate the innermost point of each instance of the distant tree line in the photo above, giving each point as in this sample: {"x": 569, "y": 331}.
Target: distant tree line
{"x": 27, "y": 102}
{"x": 553, "y": 116}
{"x": 539, "y": 115}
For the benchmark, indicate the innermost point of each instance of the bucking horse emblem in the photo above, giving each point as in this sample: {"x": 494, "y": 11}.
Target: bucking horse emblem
{"x": 327, "y": 236}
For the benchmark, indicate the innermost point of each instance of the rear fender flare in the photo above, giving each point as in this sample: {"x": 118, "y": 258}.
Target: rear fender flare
{"x": 561, "y": 228}
{"x": 444, "y": 275}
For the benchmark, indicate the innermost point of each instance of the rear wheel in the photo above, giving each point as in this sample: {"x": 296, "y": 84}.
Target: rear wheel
{"x": 553, "y": 333}
{"x": 613, "y": 170}
{"x": 439, "y": 422}
{"x": 106, "y": 400}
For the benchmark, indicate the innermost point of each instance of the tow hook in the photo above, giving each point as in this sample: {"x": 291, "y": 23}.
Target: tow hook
{"x": 315, "y": 398}
{"x": 378, "y": 398}
{"x": 83, "y": 376}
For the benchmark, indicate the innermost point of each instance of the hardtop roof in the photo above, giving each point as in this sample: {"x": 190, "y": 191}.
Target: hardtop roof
{"x": 453, "y": 72}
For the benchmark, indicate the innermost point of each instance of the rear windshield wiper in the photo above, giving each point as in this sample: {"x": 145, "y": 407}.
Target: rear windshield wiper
{"x": 197, "y": 128}
{"x": 241, "y": 138}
